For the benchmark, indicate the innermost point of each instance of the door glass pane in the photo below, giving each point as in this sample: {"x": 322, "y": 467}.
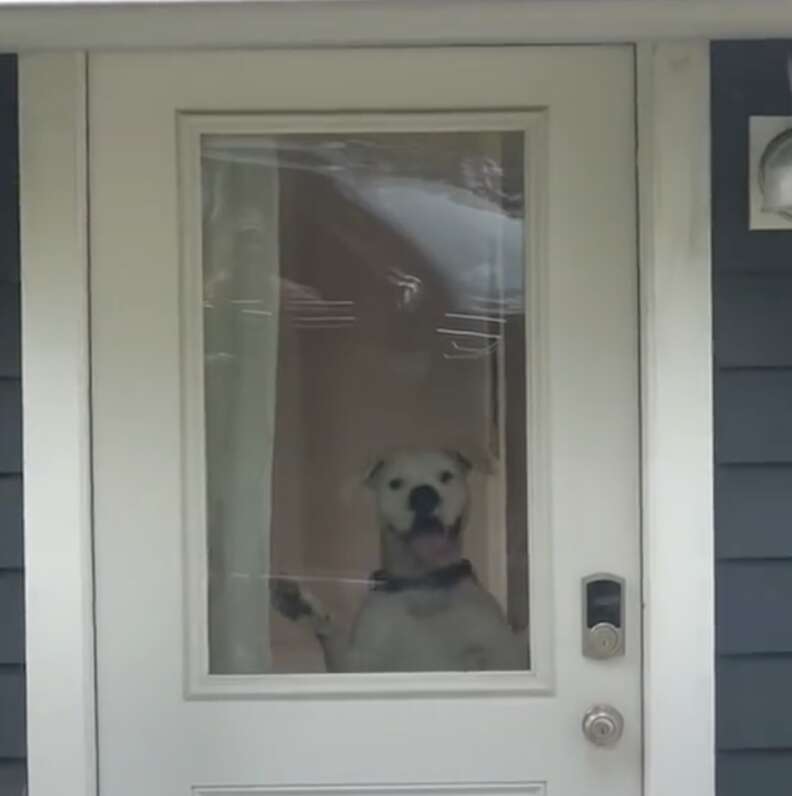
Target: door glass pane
{"x": 365, "y": 401}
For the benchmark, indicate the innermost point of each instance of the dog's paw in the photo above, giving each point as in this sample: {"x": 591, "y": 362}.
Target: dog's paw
{"x": 299, "y": 606}
{"x": 288, "y": 599}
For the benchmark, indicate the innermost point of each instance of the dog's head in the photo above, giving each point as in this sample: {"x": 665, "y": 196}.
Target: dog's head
{"x": 422, "y": 499}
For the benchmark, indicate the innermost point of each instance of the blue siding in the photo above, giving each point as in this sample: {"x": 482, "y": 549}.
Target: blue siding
{"x": 10, "y": 426}
{"x": 754, "y": 324}
{"x": 752, "y": 282}
{"x": 753, "y": 511}
{"x": 12, "y": 698}
{"x": 753, "y": 422}
{"x": 760, "y": 772}
{"x": 11, "y": 522}
{"x": 750, "y": 596}
{"x": 9, "y": 172}
{"x": 755, "y": 703}
{"x": 12, "y": 646}
{"x": 12, "y": 611}
{"x": 9, "y": 330}
{"x": 13, "y": 776}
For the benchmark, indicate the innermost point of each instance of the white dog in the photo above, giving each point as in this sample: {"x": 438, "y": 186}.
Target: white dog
{"x": 425, "y": 611}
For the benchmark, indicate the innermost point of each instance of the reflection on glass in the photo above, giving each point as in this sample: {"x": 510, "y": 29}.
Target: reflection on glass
{"x": 364, "y": 333}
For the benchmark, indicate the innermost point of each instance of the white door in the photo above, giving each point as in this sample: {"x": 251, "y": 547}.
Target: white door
{"x": 303, "y": 262}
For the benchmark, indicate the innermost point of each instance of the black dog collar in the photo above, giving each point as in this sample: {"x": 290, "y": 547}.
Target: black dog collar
{"x": 443, "y": 578}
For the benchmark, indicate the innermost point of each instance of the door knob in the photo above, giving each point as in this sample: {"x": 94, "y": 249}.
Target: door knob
{"x": 603, "y": 725}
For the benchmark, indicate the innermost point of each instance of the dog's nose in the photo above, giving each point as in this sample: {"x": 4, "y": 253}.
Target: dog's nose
{"x": 424, "y": 499}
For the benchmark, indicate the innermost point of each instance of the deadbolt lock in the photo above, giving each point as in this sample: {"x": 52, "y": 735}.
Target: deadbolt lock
{"x": 603, "y": 616}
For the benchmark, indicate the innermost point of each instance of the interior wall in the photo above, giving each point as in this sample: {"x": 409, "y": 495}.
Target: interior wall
{"x": 357, "y": 378}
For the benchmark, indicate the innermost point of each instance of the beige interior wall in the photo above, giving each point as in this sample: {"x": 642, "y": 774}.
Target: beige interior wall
{"x": 350, "y": 392}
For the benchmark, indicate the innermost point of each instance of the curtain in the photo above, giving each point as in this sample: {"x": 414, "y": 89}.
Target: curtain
{"x": 240, "y": 269}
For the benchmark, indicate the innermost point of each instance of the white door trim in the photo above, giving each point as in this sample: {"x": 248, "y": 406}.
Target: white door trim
{"x": 88, "y": 24}
{"x": 673, "y": 102}
{"x": 677, "y": 424}
{"x": 57, "y": 429}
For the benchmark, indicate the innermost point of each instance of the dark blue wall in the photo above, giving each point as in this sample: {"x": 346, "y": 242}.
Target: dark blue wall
{"x": 752, "y": 273}
{"x": 12, "y": 648}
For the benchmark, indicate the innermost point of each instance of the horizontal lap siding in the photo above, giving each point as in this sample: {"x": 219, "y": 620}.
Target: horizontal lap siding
{"x": 9, "y": 330}
{"x": 755, "y": 696}
{"x": 753, "y": 513}
{"x": 9, "y": 172}
{"x": 754, "y": 604}
{"x": 752, "y": 287}
{"x": 13, "y": 777}
{"x": 10, "y": 426}
{"x": 754, "y": 417}
{"x": 11, "y": 522}
{"x": 12, "y": 643}
{"x": 761, "y": 772}
{"x": 754, "y": 324}
{"x": 12, "y": 698}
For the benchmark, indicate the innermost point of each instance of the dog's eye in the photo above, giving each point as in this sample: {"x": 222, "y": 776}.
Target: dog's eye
{"x": 446, "y": 476}
{"x": 396, "y": 483}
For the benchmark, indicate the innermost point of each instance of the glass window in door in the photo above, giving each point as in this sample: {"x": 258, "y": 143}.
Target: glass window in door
{"x": 364, "y": 401}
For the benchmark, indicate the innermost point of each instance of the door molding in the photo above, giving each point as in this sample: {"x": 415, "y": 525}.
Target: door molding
{"x": 677, "y": 418}
{"x": 61, "y": 725}
{"x": 414, "y": 789}
{"x": 33, "y": 24}
{"x": 676, "y": 341}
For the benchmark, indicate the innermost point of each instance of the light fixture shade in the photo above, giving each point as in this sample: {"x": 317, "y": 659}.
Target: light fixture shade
{"x": 775, "y": 175}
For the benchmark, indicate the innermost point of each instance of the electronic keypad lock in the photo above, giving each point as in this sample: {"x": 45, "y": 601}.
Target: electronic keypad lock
{"x": 603, "y": 616}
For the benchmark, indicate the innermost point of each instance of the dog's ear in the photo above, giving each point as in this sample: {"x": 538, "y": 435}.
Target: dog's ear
{"x": 464, "y": 463}
{"x": 373, "y": 474}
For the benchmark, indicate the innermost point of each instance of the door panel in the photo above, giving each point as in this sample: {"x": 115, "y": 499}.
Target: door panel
{"x": 302, "y": 261}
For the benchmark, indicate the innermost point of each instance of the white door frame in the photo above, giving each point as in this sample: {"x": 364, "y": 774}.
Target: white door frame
{"x": 108, "y": 24}
{"x": 676, "y": 368}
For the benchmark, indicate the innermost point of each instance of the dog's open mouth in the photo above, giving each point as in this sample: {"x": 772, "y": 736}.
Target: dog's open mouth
{"x": 434, "y": 542}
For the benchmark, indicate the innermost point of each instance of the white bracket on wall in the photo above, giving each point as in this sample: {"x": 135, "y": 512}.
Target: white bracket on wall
{"x": 761, "y": 132}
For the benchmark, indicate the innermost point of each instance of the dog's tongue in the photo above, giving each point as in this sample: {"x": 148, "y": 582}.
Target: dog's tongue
{"x": 436, "y": 548}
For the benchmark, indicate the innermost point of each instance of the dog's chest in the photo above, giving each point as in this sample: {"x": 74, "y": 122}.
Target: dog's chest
{"x": 432, "y": 629}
